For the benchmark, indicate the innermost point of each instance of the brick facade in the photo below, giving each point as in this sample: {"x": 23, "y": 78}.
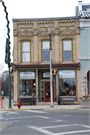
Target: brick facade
{"x": 37, "y": 30}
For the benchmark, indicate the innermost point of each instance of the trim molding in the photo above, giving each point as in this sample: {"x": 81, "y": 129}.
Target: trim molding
{"x": 84, "y": 58}
{"x": 75, "y": 65}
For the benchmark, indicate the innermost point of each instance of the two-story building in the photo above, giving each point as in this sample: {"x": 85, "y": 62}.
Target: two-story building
{"x": 31, "y": 58}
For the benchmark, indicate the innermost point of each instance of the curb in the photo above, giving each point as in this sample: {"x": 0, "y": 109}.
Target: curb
{"x": 21, "y": 109}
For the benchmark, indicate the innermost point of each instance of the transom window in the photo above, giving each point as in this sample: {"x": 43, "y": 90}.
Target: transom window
{"x": 67, "y": 50}
{"x": 25, "y": 51}
{"x": 46, "y": 52}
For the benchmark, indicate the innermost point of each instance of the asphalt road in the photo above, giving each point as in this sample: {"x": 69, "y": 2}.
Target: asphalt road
{"x": 45, "y": 122}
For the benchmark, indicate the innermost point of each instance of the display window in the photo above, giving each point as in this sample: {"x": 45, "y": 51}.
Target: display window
{"x": 67, "y": 83}
{"x": 27, "y": 84}
{"x": 27, "y": 88}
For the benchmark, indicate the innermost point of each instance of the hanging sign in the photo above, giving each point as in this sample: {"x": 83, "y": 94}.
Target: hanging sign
{"x": 27, "y": 75}
{"x": 67, "y": 74}
{"x": 46, "y": 75}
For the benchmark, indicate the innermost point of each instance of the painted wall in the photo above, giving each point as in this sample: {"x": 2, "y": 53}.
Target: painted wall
{"x": 84, "y": 65}
{"x": 84, "y": 50}
{"x": 85, "y": 42}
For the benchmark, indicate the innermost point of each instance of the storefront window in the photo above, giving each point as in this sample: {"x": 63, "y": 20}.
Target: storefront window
{"x": 67, "y": 83}
{"x": 27, "y": 85}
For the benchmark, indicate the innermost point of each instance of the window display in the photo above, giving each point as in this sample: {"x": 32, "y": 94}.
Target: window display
{"x": 27, "y": 88}
{"x": 27, "y": 85}
{"x": 67, "y": 85}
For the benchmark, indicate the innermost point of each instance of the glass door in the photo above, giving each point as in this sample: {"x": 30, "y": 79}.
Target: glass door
{"x": 47, "y": 91}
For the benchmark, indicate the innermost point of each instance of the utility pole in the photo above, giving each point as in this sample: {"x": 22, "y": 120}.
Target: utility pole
{"x": 51, "y": 93}
{"x": 7, "y": 57}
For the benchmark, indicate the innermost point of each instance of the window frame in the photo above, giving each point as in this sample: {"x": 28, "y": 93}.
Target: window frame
{"x": 76, "y": 94}
{"x": 25, "y": 51}
{"x": 44, "y": 51}
{"x": 67, "y": 50}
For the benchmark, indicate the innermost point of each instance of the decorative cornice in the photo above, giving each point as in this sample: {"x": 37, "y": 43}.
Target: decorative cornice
{"x": 25, "y": 39}
{"x": 43, "y": 35}
{"x": 25, "y": 23}
{"x": 67, "y": 34}
{"x": 67, "y": 21}
{"x": 69, "y": 37}
{"x": 25, "y": 35}
{"x": 46, "y": 22}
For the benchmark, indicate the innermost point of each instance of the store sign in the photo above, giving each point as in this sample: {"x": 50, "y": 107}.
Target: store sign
{"x": 27, "y": 75}
{"x": 46, "y": 75}
{"x": 67, "y": 74}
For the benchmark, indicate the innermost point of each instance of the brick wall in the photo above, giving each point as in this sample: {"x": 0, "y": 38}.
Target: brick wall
{"x": 36, "y": 31}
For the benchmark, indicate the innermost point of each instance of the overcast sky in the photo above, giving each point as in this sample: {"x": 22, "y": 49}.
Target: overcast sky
{"x": 31, "y": 9}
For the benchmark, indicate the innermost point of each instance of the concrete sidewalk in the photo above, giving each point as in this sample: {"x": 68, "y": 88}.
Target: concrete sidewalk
{"x": 38, "y": 107}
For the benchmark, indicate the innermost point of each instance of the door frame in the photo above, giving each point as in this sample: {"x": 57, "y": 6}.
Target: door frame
{"x": 46, "y": 80}
{"x": 50, "y": 91}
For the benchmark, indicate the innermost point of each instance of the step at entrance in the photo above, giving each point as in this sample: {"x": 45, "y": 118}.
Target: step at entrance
{"x": 46, "y": 103}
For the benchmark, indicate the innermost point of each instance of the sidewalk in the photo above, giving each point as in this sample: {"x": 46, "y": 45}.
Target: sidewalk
{"x": 38, "y": 107}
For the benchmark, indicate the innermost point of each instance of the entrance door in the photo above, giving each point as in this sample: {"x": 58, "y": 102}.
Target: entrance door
{"x": 47, "y": 91}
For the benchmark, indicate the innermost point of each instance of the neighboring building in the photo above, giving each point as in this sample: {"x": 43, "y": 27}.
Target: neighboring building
{"x": 5, "y": 74}
{"x": 84, "y": 19}
{"x": 31, "y": 58}
{"x": 5, "y": 82}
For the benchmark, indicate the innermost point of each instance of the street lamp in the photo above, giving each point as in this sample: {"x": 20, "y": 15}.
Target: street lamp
{"x": 51, "y": 93}
{"x": 7, "y": 57}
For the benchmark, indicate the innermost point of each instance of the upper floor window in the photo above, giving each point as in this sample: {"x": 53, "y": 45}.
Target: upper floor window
{"x": 67, "y": 50}
{"x": 25, "y": 51}
{"x": 45, "y": 51}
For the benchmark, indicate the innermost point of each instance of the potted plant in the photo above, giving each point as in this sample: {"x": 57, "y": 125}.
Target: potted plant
{"x": 85, "y": 101}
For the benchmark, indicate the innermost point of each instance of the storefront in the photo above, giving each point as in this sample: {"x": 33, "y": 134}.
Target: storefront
{"x": 37, "y": 81}
{"x": 66, "y": 83}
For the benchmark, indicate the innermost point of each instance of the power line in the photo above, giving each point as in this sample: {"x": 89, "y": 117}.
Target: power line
{"x": 3, "y": 30}
{"x": 3, "y": 36}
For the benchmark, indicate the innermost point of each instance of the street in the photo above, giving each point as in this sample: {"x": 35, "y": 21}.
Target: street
{"x": 45, "y": 122}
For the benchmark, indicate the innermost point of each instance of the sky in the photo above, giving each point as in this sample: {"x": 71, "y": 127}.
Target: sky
{"x": 31, "y": 9}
